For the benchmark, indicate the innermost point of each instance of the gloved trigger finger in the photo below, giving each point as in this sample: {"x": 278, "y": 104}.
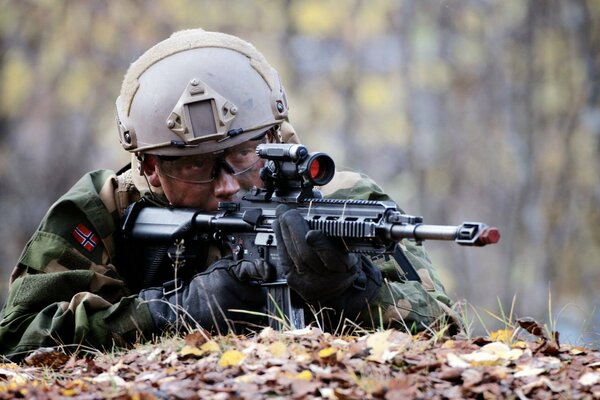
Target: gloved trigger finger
{"x": 265, "y": 270}
{"x": 257, "y": 269}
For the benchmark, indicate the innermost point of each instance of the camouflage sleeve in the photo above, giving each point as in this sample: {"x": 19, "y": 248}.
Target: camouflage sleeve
{"x": 64, "y": 289}
{"x": 411, "y": 305}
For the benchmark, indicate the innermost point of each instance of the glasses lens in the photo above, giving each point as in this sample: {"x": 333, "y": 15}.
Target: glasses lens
{"x": 204, "y": 168}
{"x": 197, "y": 169}
{"x": 242, "y": 159}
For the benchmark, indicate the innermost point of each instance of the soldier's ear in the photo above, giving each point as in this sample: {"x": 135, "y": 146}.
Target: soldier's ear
{"x": 149, "y": 164}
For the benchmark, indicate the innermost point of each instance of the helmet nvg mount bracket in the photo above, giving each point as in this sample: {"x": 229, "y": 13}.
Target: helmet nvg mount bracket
{"x": 198, "y": 92}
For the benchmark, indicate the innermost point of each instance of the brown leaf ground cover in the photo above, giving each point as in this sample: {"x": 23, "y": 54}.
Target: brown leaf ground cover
{"x": 305, "y": 364}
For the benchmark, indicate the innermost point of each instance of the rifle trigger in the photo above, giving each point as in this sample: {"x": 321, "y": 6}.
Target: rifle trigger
{"x": 252, "y": 216}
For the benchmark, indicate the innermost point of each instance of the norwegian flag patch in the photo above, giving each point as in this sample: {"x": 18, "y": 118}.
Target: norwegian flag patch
{"x": 85, "y": 237}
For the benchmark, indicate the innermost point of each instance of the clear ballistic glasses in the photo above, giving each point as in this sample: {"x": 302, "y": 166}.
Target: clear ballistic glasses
{"x": 205, "y": 168}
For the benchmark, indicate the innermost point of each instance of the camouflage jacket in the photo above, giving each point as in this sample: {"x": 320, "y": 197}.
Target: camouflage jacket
{"x": 66, "y": 288}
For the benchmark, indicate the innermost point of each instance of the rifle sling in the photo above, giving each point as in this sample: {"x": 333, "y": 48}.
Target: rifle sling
{"x": 410, "y": 273}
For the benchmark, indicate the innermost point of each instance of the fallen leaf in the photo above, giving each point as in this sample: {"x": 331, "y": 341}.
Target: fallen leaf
{"x": 380, "y": 345}
{"x": 589, "y": 379}
{"x": 482, "y": 358}
{"x": 502, "y": 351}
{"x": 528, "y": 371}
{"x": 456, "y": 362}
{"x": 231, "y": 358}
{"x": 47, "y": 357}
{"x": 328, "y": 393}
{"x": 14, "y": 376}
{"x": 595, "y": 364}
{"x": 576, "y": 351}
{"x": 190, "y": 351}
{"x": 112, "y": 379}
{"x": 210, "y": 347}
{"x": 197, "y": 338}
{"x": 302, "y": 388}
{"x": 278, "y": 349}
{"x": 305, "y": 375}
{"x": 450, "y": 374}
{"x": 327, "y": 352}
{"x": 471, "y": 377}
{"x": 308, "y": 331}
{"x": 247, "y": 378}
{"x": 153, "y": 356}
{"x": 502, "y": 335}
{"x": 520, "y": 344}
{"x": 532, "y": 326}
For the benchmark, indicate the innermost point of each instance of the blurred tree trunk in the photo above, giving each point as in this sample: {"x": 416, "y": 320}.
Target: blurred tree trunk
{"x": 350, "y": 135}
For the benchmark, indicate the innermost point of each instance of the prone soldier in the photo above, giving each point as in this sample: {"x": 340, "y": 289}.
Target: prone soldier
{"x": 191, "y": 111}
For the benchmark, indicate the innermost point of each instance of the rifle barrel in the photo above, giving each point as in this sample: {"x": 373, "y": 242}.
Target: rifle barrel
{"x": 467, "y": 234}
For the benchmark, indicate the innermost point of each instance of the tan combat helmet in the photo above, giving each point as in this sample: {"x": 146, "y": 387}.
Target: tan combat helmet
{"x": 198, "y": 92}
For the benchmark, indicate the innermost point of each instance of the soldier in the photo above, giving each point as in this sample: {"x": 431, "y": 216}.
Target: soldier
{"x": 191, "y": 111}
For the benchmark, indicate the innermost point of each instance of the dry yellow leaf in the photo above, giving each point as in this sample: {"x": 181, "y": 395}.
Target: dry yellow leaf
{"x": 70, "y": 392}
{"x": 231, "y": 358}
{"x": 190, "y": 351}
{"x": 519, "y": 344}
{"x": 328, "y": 352}
{"x": 502, "y": 335}
{"x": 210, "y": 347}
{"x": 305, "y": 375}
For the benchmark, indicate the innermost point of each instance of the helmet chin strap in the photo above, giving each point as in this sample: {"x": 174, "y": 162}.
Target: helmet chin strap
{"x": 154, "y": 197}
{"x": 140, "y": 157}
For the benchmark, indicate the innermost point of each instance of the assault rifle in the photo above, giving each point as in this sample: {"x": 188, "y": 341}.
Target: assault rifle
{"x": 290, "y": 176}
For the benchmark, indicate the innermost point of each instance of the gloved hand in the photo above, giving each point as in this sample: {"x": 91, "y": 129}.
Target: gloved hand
{"x": 319, "y": 270}
{"x": 206, "y": 299}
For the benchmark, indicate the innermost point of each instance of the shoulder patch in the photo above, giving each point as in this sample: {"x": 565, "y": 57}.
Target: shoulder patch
{"x": 85, "y": 237}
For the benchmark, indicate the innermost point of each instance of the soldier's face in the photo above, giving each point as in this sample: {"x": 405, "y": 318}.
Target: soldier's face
{"x": 204, "y": 181}
{"x": 205, "y": 196}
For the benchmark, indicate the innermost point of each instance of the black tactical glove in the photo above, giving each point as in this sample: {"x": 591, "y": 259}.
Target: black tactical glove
{"x": 207, "y": 298}
{"x": 320, "y": 271}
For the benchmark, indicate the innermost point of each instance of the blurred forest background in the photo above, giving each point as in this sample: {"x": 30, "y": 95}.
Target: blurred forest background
{"x": 461, "y": 109}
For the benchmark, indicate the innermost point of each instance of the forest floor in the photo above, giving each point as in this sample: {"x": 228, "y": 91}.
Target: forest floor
{"x": 522, "y": 363}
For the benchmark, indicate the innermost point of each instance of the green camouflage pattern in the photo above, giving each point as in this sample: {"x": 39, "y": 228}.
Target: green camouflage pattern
{"x": 63, "y": 292}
